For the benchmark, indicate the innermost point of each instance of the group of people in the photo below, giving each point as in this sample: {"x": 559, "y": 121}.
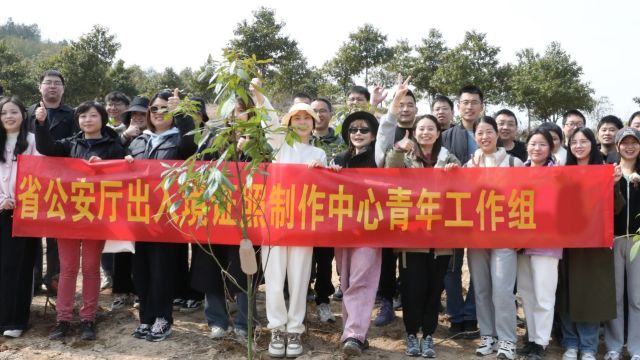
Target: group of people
{"x": 581, "y": 288}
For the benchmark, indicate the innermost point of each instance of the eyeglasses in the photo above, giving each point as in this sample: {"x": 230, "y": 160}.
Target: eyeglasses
{"x": 158, "y": 109}
{"x": 470, "y": 102}
{"x": 115, "y": 104}
{"x": 576, "y": 124}
{"x": 52, "y": 83}
{"x": 362, "y": 131}
{"x": 321, "y": 111}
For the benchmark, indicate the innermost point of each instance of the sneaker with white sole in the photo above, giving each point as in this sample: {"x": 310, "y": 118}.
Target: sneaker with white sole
{"x": 570, "y": 354}
{"x": 612, "y": 355}
{"x": 588, "y": 356}
{"x": 218, "y": 332}
{"x": 191, "y": 305}
{"x": 160, "y": 330}
{"x": 413, "y": 346}
{"x": 121, "y": 301}
{"x": 426, "y": 347}
{"x": 294, "y": 345}
{"x": 106, "y": 283}
{"x": 142, "y": 331}
{"x": 277, "y": 345}
{"x": 324, "y": 313}
{"x": 488, "y": 345}
{"x": 12, "y": 333}
{"x": 506, "y": 350}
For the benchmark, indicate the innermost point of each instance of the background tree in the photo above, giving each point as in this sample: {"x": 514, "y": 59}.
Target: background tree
{"x": 428, "y": 60}
{"x": 123, "y": 79}
{"x": 475, "y": 62}
{"x": 85, "y": 64}
{"x": 365, "y": 49}
{"x": 340, "y": 71}
{"x": 636, "y": 100}
{"x": 402, "y": 61}
{"x": 15, "y": 75}
{"x": 547, "y": 86}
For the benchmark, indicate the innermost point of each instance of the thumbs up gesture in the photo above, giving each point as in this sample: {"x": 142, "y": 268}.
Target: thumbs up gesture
{"x": 174, "y": 100}
{"x": 406, "y": 144}
{"x": 41, "y": 113}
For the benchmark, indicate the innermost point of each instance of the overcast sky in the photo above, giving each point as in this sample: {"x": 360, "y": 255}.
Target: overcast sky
{"x": 601, "y": 36}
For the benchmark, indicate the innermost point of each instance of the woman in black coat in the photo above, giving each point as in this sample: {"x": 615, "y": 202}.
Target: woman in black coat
{"x": 95, "y": 142}
{"x": 155, "y": 264}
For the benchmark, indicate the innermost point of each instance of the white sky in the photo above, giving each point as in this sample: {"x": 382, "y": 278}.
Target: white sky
{"x": 601, "y": 36}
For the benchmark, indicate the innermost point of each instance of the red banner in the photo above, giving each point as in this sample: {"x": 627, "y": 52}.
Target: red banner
{"x": 420, "y": 208}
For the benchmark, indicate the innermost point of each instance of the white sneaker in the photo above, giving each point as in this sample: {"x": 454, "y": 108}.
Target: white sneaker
{"x": 294, "y": 345}
{"x": 588, "y": 356}
{"x": 612, "y": 355}
{"x": 217, "y": 332}
{"x": 570, "y": 354}
{"x": 324, "y": 313}
{"x": 277, "y": 347}
{"x": 106, "y": 282}
{"x": 506, "y": 350}
{"x": 488, "y": 345}
{"x": 12, "y": 333}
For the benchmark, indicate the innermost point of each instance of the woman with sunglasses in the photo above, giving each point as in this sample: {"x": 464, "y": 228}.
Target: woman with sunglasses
{"x": 586, "y": 281}
{"x": 155, "y": 264}
{"x": 422, "y": 271}
{"x": 359, "y": 267}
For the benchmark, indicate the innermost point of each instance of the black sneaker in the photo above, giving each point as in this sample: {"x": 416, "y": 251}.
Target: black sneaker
{"x": 471, "y": 329}
{"x": 536, "y": 353}
{"x": 88, "y": 330}
{"x": 60, "y": 331}
{"x": 178, "y": 304}
{"x": 354, "y": 347}
{"x": 456, "y": 328}
{"x": 526, "y": 349}
{"x": 142, "y": 331}
{"x": 159, "y": 331}
{"x": 191, "y": 305}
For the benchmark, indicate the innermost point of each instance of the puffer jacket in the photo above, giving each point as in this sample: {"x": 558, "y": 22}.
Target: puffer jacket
{"x": 402, "y": 159}
{"x": 365, "y": 159}
{"x": 107, "y": 148}
{"x": 178, "y": 146}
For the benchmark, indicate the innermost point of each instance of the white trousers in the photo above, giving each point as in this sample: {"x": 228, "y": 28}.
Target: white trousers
{"x": 537, "y": 282}
{"x": 293, "y": 263}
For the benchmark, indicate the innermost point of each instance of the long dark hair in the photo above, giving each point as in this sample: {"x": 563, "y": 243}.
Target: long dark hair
{"x": 21, "y": 143}
{"x": 595, "y": 156}
{"x": 437, "y": 146}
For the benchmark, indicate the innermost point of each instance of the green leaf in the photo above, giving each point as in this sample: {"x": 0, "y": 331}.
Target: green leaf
{"x": 634, "y": 250}
{"x": 174, "y": 206}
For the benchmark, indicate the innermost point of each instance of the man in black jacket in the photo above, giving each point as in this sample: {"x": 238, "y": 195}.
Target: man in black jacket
{"x": 61, "y": 125}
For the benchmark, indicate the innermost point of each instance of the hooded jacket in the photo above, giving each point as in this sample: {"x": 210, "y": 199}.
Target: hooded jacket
{"x": 108, "y": 147}
{"x": 175, "y": 145}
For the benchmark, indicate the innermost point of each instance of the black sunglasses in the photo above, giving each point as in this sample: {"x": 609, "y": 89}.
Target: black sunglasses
{"x": 355, "y": 130}
{"x": 158, "y": 109}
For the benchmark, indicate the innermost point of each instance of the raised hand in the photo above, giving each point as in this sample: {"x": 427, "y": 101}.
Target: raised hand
{"x": 401, "y": 92}
{"x": 41, "y": 113}
{"x": 378, "y": 96}
{"x": 405, "y": 144}
{"x": 174, "y": 100}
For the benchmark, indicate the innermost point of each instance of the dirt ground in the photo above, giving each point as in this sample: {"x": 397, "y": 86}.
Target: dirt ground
{"x": 189, "y": 339}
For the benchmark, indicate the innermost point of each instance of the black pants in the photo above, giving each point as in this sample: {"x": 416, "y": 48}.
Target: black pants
{"x": 123, "y": 273}
{"x": 154, "y": 277}
{"x": 421, "y": 281}
{"x": 322, "y": 261}
{"x": 17, "y": 259}
{"x": 53, "y": 263}
{"x": 183, "y": 275}
{"x": 387, "y": 284}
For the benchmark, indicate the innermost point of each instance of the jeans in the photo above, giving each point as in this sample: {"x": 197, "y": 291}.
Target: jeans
{"x": 215, "y": 311}
{"x": 459, "y": 309}
{"x": 579, "y": 335}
